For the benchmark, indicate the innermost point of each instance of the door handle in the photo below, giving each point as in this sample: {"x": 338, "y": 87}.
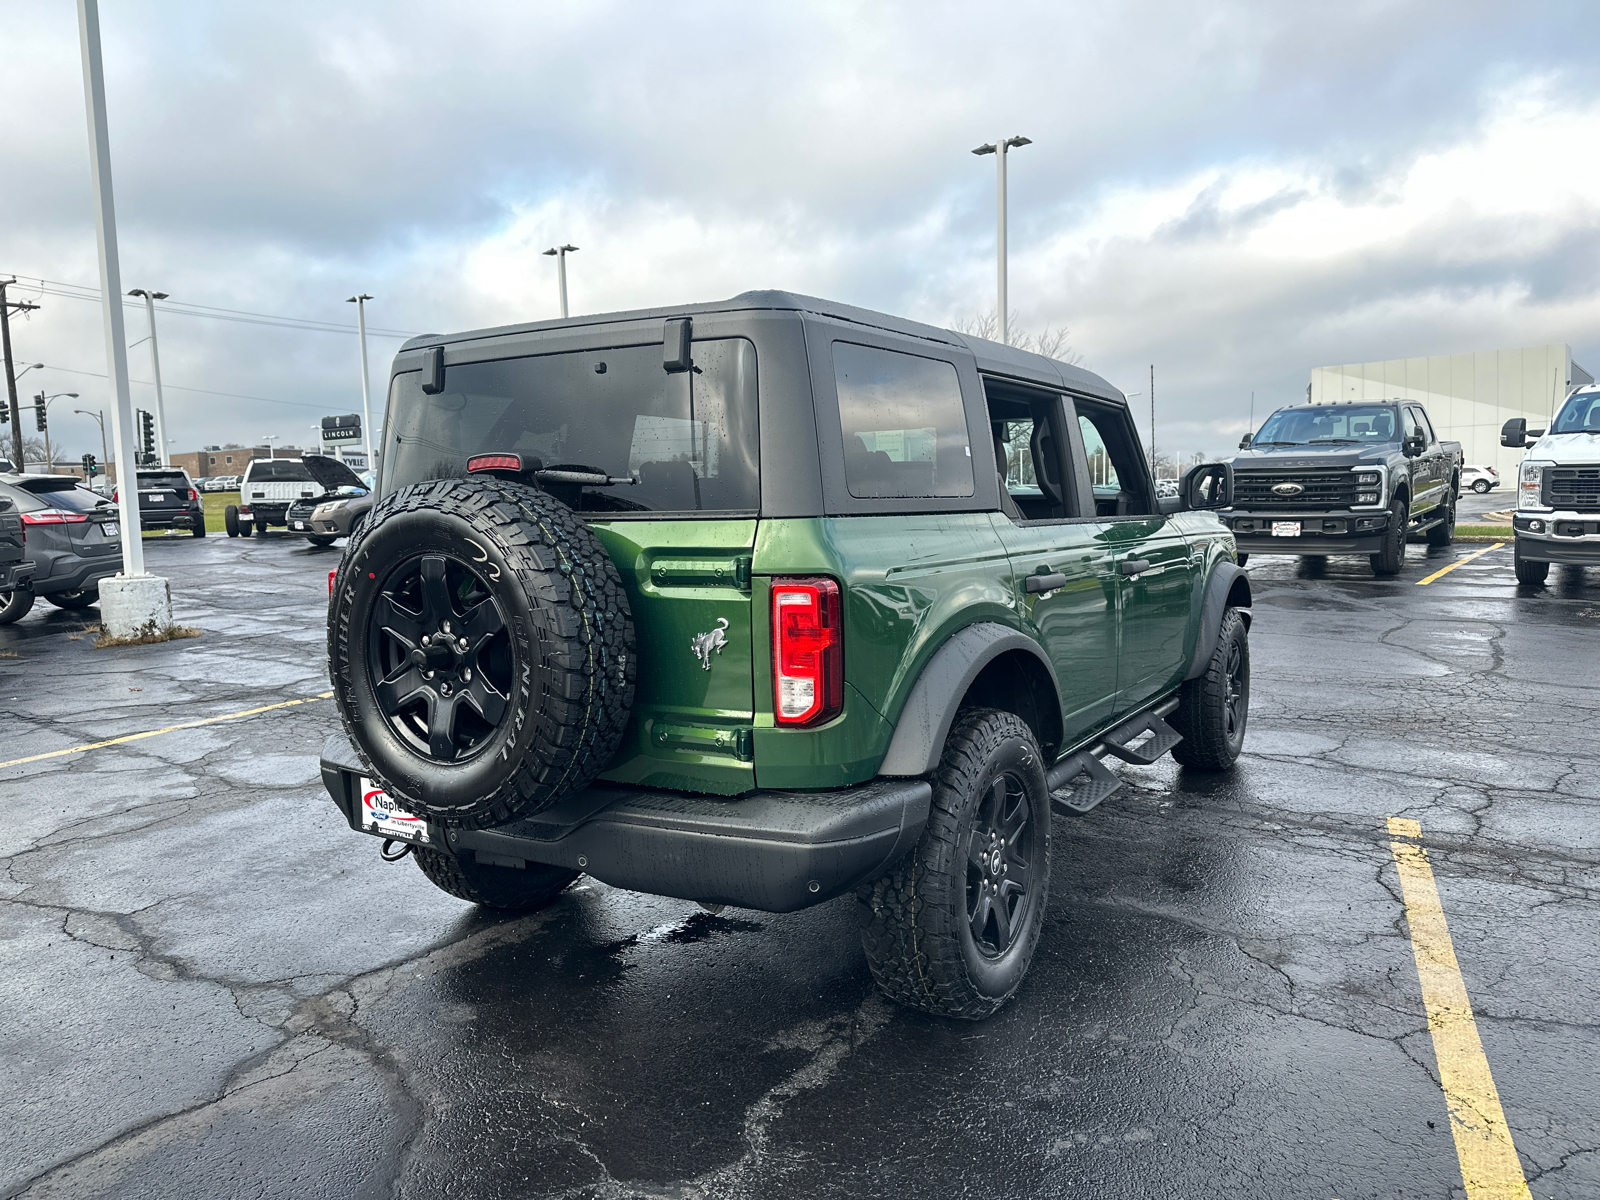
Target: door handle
{"x": 1044, "y": 583}
{"x": 1134, "y": 566}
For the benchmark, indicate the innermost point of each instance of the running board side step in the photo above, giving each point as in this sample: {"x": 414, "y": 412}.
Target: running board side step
{"x": 1094, "y": 780}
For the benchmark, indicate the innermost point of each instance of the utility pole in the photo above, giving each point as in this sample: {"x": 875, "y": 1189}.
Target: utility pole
{"x": 561, "y": 253}
{"x": 134, "y": 603}
{"x": 155, "y": 365}
{"x": 998, "y": 149}
{"x": 366, "y": 407}
{"x": 11, "y": 377}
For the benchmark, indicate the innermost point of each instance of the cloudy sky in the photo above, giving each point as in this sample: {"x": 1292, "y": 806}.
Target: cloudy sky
{"x": 1234, "y": 191}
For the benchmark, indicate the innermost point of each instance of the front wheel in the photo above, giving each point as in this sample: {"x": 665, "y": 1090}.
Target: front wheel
{"x": 951, "y": 928}
{"x": 1528, "y": 571}
{"x": 1392, "y": 558}
{"x": 1214, "y": 709}
{"x": 522, "y": 889}
{"x": 1481, "y": 486}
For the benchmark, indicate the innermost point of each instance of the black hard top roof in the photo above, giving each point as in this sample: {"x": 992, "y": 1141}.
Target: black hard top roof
{"x": 992, "y": 357}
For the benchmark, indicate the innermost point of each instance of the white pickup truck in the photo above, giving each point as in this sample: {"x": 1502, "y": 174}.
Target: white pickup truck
{"x": 1558, "y": 488}
{"x": 269, "y": 487}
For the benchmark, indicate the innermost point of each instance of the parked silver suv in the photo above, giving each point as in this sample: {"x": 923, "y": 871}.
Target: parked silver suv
{"x": 73, "y": 541}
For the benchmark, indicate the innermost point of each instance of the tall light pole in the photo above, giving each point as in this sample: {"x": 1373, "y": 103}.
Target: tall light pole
{"x": 150, "y": 299}
{"x": 999, "y": 149}
{"x": 561, "y": 253}
{"x": 42, "y": 403}
{"x": 366, "y": 406}
{"x": 145, "y": 600}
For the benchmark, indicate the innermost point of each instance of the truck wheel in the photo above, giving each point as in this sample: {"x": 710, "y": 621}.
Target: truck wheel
{"x": 1444, "y": 533}
{"x": 1214, "y": 709}
{"x": 1480, "y": 486}
{"x": 261, "y": 528}
{"x": 246, "y": 528}
{"x": 1528, "y": 571}
{"x": 951, "y": 928}
{"x": 199, "y": 529}
{"x": 533, "y": 886}
{"x": 1392, "y": 558}
{"x": 230, "y": 520}
{"x": 80, "y": 598}
{"x": 14, "y": 605}
{"x": 481, "y": 649}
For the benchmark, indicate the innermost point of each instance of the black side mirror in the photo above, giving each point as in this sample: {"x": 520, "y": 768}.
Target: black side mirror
{"x": 1514, "y": 433}
{"x": 1413, "y": 445}
{"x": 1244, "y": 442}
{"x": 1209, "y": 485}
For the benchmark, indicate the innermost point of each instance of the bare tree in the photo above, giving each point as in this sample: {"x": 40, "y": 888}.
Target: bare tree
{"x": 33, "y": 450}
{"x": 1052, "y": 343}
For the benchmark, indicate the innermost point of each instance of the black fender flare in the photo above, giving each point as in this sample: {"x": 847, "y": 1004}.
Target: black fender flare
{"x": 1228, "y": 587}
{"x": 930, "y": 709}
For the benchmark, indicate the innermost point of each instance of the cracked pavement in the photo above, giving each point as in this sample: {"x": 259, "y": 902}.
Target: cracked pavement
{"x": 211, "y": 987}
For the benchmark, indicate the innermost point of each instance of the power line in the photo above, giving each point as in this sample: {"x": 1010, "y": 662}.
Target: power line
{"x": 75, "y": 291}
{"x": 203, "y": 391}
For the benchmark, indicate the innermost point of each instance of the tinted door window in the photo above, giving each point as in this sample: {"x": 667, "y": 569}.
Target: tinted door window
{"x": 905, "y": 430}
{"x": 687, "y": 440}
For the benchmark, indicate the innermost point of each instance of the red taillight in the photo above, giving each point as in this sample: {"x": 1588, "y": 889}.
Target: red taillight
{"x": 113, "y": 495}
{"x": 807, "y": 651}
{"x": 494, "y": 462}
{"x": 193, "y": 495}
{"x": 53, "y": 516}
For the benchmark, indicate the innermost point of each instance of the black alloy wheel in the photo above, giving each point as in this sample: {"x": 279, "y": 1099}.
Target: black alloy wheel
{"x": 1444, "y": 533}
{"x": 1214, "y": 708}
{"x": 441, "y": 658}
{"x": 1000, "y": 855}
{"x": 1235, "y": 692}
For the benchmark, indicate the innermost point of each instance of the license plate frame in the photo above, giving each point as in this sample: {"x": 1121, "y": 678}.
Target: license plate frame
{"x": 1286, "y": 529}
{"x": 111, "y": 529}
{"x": 379, "y": 816}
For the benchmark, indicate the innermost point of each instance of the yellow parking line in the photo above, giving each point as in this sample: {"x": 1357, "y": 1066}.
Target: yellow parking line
{"x": 1489, "y": 1164}
{"x": 150, "y": 733}
{"x": 1458, "y": 562}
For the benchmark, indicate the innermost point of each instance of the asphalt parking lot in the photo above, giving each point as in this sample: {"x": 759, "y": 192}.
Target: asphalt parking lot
{"x": 212, "y": 988}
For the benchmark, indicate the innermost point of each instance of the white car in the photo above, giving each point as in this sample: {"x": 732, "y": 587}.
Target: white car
{"x": 1480, "y": 479}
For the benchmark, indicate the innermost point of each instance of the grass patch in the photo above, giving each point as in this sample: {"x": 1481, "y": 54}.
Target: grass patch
{"x": 171, "y": 633}
{"x": 215, "y": 503}
{"x": 1491, "y": 531}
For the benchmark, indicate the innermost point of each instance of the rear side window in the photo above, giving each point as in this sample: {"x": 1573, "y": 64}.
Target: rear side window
{"x": 905, "y": 430}
{"x": 57, "y": 493}
{"x": 686, "y": 440}
{"x": 163, "y": 479}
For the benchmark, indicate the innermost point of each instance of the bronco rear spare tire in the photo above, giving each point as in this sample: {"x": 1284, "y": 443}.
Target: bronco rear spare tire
{"x": 481, "y": 650}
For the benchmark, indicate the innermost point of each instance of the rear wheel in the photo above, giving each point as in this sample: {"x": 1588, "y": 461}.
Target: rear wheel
{"x": 1528, "y": 571}
{"x": 261, "y": 528}
{"x": 246, "y": 528}
{"x": 1214, "y": 709}
{"x": 199, "y": 529}
{"x": 1480, "y": 486}
{"x": 952, "y": 927}
{"x": 14, "y": 605}
{"x": 1392, "y": 558}
{"x": 1444, "y": 533}
{"x": 80, "y": 598}
{"x": 530, "y": 887}
{"x": 230, "y": 520}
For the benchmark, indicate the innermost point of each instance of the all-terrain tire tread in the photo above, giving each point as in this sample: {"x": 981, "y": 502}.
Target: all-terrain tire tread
{"x": 541, "y": 884}
{"x": 1199, "y": 717}
{"x": 583, "y": 641}
{"x": 911, "y": 943}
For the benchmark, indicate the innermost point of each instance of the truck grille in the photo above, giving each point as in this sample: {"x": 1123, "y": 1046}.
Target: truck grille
{"x": 1322, "y": 489}
{"x": 1575, "y": 488}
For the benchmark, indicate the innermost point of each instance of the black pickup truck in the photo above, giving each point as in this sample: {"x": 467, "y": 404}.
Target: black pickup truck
{"x": 1358, "y": 478}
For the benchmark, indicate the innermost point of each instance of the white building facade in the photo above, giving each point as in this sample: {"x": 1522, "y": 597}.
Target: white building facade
{"x": 1469, "y": 396}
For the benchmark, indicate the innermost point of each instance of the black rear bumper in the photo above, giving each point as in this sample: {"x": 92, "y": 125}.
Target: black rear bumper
{"x": 179, "y": 518}
{"x": 774, "y": 851}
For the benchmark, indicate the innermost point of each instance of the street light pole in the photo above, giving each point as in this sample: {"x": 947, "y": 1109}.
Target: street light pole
{"x": 43, "y": 404}
{"x": 155, "y": 365}
{"x": 561, "y": 253}
{"x": 999, "y": 149}
{"x": 100, "y": 420}
{"x": 105, "y": 226}
{"x": 366, "y": 407}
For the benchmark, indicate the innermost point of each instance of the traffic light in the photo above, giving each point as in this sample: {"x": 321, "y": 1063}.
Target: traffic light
{"x": 90, "y": 467}
{"x": 5, "y": 414}
{"x": 147, "y": 433}
{"x": 39, "y": 416}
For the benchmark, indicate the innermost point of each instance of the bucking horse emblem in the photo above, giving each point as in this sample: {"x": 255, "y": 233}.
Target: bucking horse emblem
{"x": 705, "y": 644}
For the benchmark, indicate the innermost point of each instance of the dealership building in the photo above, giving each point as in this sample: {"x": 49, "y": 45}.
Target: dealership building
{"x": 1468, "y": 396}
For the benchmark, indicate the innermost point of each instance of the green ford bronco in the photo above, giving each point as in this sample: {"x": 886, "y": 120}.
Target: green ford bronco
{"x": 762, "y": 602}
